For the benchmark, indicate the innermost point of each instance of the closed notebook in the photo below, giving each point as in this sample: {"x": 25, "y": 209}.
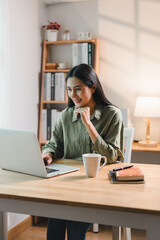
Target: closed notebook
{"x": 132, "y": 173}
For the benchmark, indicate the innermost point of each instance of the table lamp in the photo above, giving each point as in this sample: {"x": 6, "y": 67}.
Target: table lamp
{"x": 147, "y": 107}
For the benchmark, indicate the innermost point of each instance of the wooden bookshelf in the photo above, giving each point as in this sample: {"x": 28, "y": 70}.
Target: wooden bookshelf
{"x": 45, "y": 60}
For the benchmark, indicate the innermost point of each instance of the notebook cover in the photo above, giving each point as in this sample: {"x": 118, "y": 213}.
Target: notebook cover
{"x": 132, "y": 173}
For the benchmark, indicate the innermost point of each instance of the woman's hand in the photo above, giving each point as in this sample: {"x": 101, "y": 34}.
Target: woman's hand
{"x": 47, "y": 157}
{"x": 85, "y": 115}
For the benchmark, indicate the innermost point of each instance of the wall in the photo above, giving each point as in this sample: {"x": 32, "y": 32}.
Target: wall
{"x": 129, "y": 33}
{"x": 23, "y": 51}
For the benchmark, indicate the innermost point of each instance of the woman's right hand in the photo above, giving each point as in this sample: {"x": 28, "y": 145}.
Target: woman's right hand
{"x": 47, "y": 157}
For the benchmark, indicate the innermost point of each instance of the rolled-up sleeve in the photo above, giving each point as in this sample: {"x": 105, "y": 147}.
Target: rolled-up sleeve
{"x": 111, "y": 144}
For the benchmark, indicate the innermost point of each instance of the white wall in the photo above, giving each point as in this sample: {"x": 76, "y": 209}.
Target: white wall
{"x": 129, "y": 33}
{"x": 23, "y": 71}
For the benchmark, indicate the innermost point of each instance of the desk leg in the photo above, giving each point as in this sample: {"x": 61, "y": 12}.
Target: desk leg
{"x": 153, "y": 228}
{"x": 3, "y": 226}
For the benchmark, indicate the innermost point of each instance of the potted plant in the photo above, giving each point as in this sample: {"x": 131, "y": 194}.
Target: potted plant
{"x": 52, "y": 30}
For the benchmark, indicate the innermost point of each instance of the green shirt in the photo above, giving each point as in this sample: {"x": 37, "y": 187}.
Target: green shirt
{"x": 70, "y": 138}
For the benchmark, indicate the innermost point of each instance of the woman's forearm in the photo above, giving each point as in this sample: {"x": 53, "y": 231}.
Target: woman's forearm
{"x": 92, "y": 131}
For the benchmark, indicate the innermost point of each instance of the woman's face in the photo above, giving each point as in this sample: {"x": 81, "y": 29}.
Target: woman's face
{"x": 80, "y": 93}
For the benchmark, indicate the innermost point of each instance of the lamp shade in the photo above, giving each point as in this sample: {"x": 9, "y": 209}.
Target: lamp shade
{"x": 147, "y": 107}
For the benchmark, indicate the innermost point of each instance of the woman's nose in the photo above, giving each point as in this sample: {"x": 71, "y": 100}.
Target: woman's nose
{"x": 73, "y": 93}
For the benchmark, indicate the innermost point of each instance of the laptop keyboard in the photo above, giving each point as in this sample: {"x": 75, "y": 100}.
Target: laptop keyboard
{"x": 50, "y": 170}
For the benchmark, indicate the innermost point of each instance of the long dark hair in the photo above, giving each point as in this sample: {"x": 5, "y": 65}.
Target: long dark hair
{"x": 89, "y": 77}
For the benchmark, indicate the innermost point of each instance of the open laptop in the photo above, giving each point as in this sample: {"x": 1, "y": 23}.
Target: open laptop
{"x": 20, "y": 152}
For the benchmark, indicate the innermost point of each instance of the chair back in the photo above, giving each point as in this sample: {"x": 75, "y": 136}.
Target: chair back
{"x": 128, "y": 140}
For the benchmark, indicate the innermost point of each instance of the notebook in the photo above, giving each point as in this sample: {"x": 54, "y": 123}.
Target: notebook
{"x": 20, "y": 152}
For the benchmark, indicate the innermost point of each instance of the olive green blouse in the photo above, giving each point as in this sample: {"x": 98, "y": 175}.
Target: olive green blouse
{"x": 70, "y": 138}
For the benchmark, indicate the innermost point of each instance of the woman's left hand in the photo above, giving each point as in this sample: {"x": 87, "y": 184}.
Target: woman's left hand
{"x": 85, "y": 115}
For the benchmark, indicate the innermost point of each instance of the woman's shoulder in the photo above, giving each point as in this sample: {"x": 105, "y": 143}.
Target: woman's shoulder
{"x": 112, "y": 111}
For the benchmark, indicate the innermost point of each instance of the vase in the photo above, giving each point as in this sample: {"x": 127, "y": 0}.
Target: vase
{"x": 52, "y": 35}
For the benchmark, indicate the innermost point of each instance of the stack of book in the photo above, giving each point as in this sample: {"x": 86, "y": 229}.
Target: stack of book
{"x": 54, "y": 86}
{"x": 83, "y": 53}
{"x": 128, "y": 175}
{"x": 49, "y": 117}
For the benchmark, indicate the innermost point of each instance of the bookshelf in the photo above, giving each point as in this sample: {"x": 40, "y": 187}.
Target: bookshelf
{"x": 58, "y": 104}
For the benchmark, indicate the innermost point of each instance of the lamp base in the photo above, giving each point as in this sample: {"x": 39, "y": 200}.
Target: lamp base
{"x": 145, "y": 144}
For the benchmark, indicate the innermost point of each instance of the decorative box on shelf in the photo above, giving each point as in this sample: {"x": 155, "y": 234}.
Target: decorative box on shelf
{"x": 50, "y": 66}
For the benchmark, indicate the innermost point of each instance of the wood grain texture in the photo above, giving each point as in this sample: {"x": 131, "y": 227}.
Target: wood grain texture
{"x": 75, "y": 189}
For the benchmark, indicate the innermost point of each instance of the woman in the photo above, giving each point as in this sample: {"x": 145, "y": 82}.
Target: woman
{"x": 89, "y": 124}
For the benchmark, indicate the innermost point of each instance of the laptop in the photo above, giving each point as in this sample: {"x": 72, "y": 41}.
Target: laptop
{"x": 20, "y": 152}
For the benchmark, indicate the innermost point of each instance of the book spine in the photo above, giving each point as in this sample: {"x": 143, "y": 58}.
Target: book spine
{"x": 61, "y": 86}
{"x": 74, "y": 54}
{"x": 44, "y": 124}
{"x": 56, "y": 87}
{"x": 53, "y": 86}
{"x": 53, "y": 118}
{"x": 48, "y": 97}
{"x": 93, "y": 54}
{"x": 44, "y": 86}
{"x": 90, "y": 54}
{"x": 84, "y": 57}
{"x": 48, "y": 124}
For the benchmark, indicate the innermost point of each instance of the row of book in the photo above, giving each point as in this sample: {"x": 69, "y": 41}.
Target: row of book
{"x": 54, "y": 86}
{"x": 83, "y": 53}
{"x": 49, "y": 117}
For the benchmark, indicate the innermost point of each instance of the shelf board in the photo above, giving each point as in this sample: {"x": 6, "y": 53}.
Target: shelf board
{"x": 65, "y": 70}
{"x": 55, "y": 102}
{"x": 62, "y": 42}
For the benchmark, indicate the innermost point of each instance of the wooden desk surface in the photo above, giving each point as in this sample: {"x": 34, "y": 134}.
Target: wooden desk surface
{"x": 137, "y": 148}
{"x": 75, "y": 189}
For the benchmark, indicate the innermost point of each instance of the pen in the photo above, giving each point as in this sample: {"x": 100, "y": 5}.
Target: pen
{"x": 121, "y": 168}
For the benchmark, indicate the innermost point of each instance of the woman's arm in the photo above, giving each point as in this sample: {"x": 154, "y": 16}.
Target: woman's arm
{"x": 109, "y": 140}
{"x": 85, "y": 116}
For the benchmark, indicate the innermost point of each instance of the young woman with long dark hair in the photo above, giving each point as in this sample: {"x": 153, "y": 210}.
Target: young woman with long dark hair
{"x": 90, "y": 123}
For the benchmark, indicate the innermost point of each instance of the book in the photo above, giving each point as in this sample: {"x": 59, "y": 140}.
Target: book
{"x": 53, "y": 86}
{"x": 48, "y": 86}
{"x": 132, "y": 173}
{"x": 113, "y": 179}
{"x": 84, "y": 53}
{"x": 60, "y": 86}
{"x": 48, "y": 124}
{"x": 79, "y": 53}
{"x": 53, "y": 118}
{"x": 44, "y": 124}
{"x": 76, "y": 54}
{"x": 45, "y": 86}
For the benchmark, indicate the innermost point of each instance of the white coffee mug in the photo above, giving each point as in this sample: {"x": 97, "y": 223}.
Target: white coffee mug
{"x": 91, "y": 162}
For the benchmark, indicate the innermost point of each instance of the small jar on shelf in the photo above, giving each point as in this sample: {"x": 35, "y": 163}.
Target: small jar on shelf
{"x": 66, "y": 35}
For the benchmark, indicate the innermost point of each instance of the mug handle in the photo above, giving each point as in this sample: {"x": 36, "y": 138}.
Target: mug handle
{"x": 105, "y": 161}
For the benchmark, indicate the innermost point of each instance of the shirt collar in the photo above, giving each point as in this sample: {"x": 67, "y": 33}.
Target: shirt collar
{"x": 97, "y": 113}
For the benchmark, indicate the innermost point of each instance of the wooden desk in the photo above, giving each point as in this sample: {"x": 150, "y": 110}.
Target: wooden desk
{"x": 137, "y": 148}
{"x": 74, "y": 197}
